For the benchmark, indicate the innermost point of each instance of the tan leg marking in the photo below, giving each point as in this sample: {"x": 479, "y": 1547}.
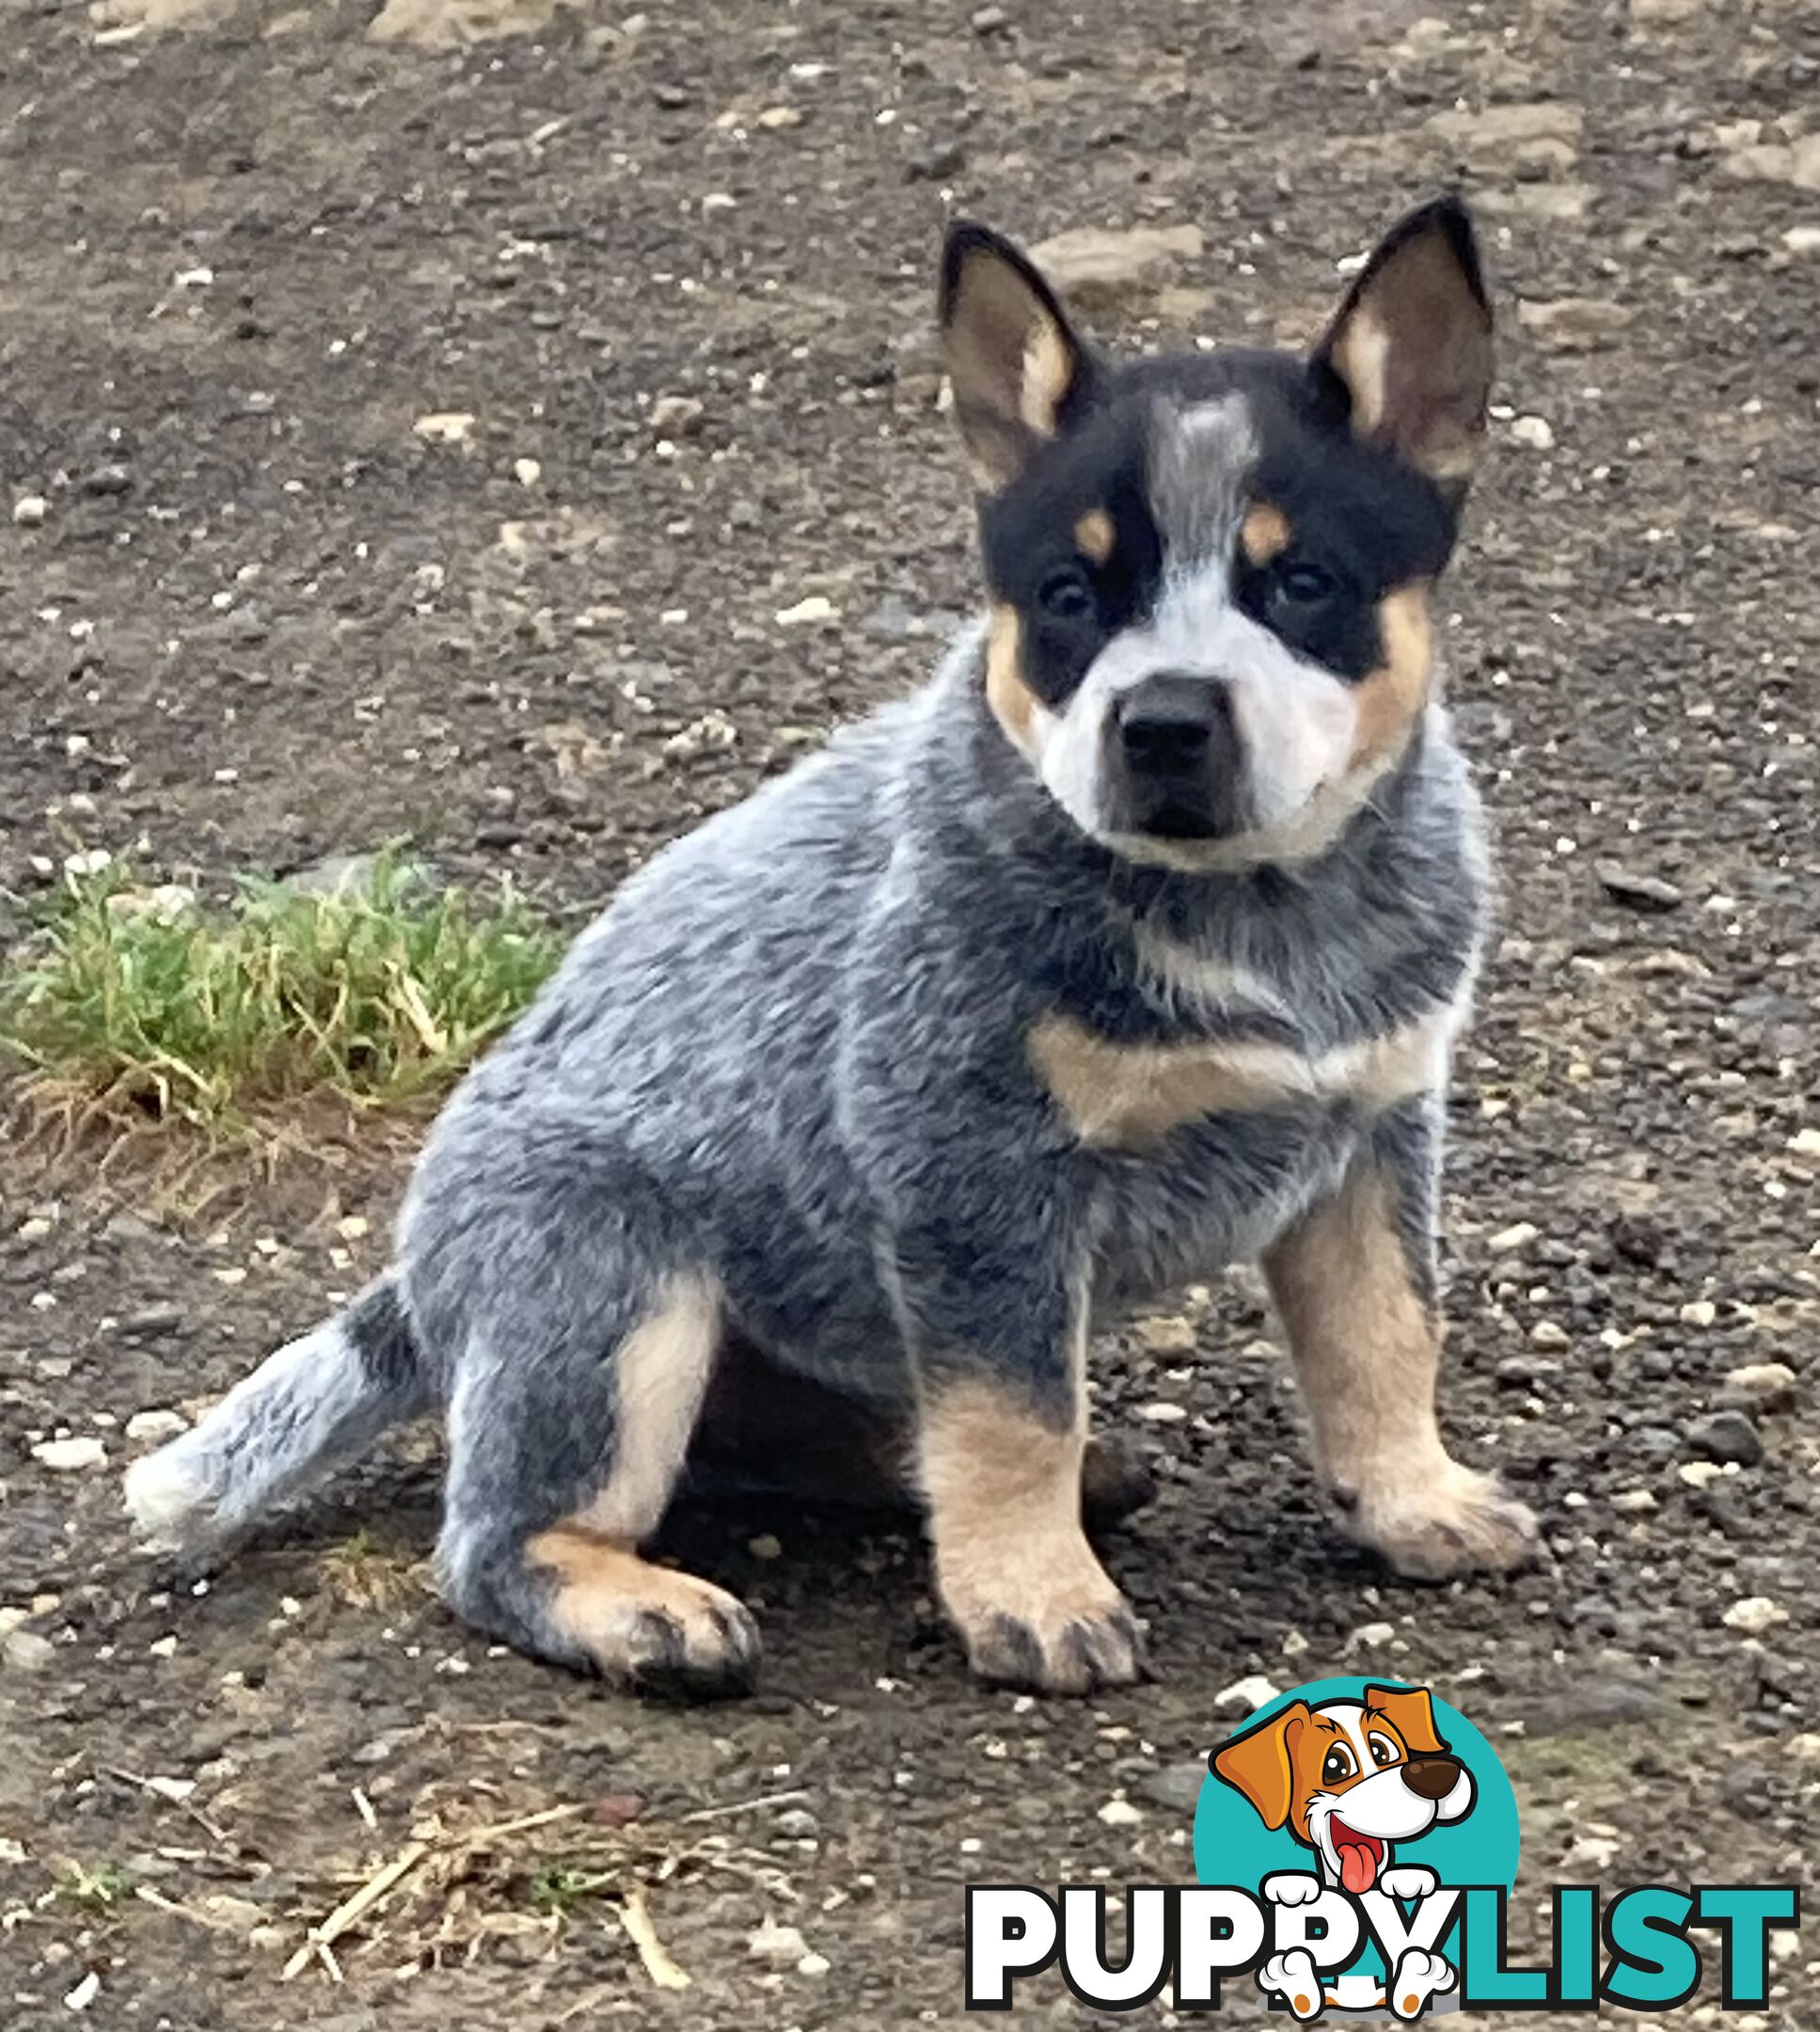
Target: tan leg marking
{"x": 660, "y": 1375}
{"x": 640, "y": 1624}
{"x": 1132, "y": 1094}
{"x": 1264, "y": 534}
{"x": 633, "y": 1620}
{"x": 1014, "y": 705}
{"x": 1366, "y": 1351}
{"x": 1095, "y": 536}
{"x": 1390, "y": 699}
{"x": 1013, "y": 1566}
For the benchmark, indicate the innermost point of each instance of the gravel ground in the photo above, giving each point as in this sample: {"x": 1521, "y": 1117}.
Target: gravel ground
{"x": 417, "y": 434}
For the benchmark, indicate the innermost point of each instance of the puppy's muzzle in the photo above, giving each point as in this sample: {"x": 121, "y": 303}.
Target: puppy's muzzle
{"x": 1179, "y": 757}
{"x": 1432, "y": 1777}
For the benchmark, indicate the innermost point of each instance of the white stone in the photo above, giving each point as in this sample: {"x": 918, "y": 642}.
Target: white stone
{"x": 1243, "y": 1695}
{"x": 29, "y": 509}
{"x": 1120, "y": 1812}
{"x": 1533, "y": 431}
{"x": 445, "y": 426}
{"x": 1805, "y": 1143}
{"x": 156, "y": 1424}
{"x": 69, "y": 1456}
{"x": 1754, "y": 1616}
{"x": 784, "y": 1947}
{"x": 1518, "y": 1235}
{"x": 815, "y": 608}
{"x": 1372, "y": 1636}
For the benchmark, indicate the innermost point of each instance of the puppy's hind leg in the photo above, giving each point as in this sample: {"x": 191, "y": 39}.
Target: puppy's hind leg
{"x": 571, "y": 1414}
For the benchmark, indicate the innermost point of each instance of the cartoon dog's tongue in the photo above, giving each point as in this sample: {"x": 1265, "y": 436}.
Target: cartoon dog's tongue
{"x": 1358, "y": 1857}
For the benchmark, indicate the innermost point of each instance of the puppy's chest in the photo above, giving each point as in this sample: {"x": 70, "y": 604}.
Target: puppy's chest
{"x": 1131, "y": 1086}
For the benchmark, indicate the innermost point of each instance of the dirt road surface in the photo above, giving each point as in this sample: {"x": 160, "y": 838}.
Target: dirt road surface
{"x": 433, "y": 415}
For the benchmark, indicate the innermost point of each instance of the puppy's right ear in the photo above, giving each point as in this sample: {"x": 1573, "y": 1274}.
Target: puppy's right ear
{"x": 1262, "y": 1762}
{"x": 1018, "y": 371}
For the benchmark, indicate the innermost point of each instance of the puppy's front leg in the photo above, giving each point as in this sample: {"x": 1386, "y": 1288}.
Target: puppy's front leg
{"x": 1001, "y": 1426}
{"x": 1354, "y": 1282}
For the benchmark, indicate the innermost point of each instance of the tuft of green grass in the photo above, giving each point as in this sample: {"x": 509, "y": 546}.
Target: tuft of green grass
{"x": 132, "y": 1002}
{"x": 557, "y": 1888}
{"x": 96, "y": 1890}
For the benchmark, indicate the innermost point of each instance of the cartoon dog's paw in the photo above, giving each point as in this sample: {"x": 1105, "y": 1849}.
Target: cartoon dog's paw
{"x": 1292, "y": 1887}
{"x": 1408, "y": 1880}
{"x": 1462, "y": 1522}
{"x": 1420, "y": 1976}
{"x": 1063, "y": 1628}
{"x": 1292, "y": 1978}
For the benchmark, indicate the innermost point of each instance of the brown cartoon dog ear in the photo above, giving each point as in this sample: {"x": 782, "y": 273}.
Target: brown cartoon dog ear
{"x": 1411, "y": 1712}
{"x": 1260, "y": 1763}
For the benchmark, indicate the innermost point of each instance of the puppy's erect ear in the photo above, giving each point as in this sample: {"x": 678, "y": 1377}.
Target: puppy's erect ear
{"x": 1412, "y": 345}
{"x": 1017, "y": 369}
{"x": 1262, "y": 1762}
{"x": 1411, "y": 1712}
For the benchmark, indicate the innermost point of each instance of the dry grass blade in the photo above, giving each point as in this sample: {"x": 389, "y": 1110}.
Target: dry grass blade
{"x": 635, "y": 1916}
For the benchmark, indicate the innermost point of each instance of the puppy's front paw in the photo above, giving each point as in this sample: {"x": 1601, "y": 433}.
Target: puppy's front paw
{"x": 1407, "y": 1880}
{"x": 1066, "y": 1629}
{"x": 1462, "y": 1523}
{"x": 1292, "y": 1978}
{"x": 1292, "y": 1887}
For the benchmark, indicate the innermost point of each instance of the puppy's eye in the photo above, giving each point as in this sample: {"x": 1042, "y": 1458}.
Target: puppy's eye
{"x": 1337, "y": 1766}
{"x": 1068, "y": 595}
{"x": 1299, "y": 583}
{"x": 1383, "y": 1750}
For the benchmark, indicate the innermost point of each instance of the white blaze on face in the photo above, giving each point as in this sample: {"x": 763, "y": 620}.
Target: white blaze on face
{"x": 1297, "y": 723}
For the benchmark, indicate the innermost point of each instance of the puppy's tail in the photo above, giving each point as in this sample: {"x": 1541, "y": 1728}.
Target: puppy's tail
{"x": 317, "y": 1403}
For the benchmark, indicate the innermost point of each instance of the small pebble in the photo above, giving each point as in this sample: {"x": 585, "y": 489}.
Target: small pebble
{"x": 1120, "y": 1812}
{"x": 1754, "y": 1616}
{"x": 1727, "y": 1436}
{"x": 1243, "y": 1695}
{"x": 30, "y": 510}
{"x": 781, "y": 1946}
{"x": 156, "y": 1424}
{"x": 1534, "y": 432}
{"x": 812, "y": 609}
{"x": 69, "y": 1456}
{"x": 1770, "y": 1386}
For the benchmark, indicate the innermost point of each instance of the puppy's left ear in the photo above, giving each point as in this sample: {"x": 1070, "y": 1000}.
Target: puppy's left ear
{"x": 1412, "y": 345}
{"x": 1018, "y": 371}
{"x": 1410, "y": 1711}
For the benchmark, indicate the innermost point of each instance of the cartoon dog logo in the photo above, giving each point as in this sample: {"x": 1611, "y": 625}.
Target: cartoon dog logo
{"x": 1348, "y": 1779}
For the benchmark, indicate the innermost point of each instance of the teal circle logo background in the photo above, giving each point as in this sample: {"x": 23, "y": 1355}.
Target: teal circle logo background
{"x": 1232, "y": 1846}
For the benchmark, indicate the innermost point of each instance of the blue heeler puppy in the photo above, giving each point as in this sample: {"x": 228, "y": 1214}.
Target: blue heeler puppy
{"x": 1133, "y": 946}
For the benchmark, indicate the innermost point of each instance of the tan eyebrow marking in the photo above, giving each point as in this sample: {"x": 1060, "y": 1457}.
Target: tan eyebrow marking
{"x": 1264, "y": 534}
{"x": 1095, "y": 535}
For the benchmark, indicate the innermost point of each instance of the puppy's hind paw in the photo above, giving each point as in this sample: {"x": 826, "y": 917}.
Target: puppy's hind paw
{"x": 1292, "y": 1978}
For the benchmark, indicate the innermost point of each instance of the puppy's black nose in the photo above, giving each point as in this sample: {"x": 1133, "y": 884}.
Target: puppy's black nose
{"x": 1171, "y": 726}
{"x": 1432, "y": 1777}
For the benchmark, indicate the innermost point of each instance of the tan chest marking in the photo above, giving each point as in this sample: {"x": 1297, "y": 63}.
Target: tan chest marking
{"x": 1116, "y": 1094}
